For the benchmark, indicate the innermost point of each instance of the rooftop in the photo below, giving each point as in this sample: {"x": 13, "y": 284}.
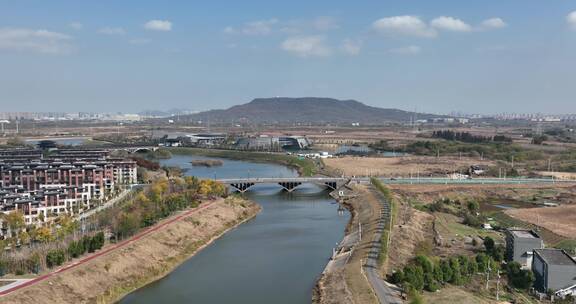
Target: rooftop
{"x": 555, "y": 257}
{"x": 524, "y": 233}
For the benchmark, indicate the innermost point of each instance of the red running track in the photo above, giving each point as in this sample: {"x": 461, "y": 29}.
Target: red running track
{"x": 107, "y": 250}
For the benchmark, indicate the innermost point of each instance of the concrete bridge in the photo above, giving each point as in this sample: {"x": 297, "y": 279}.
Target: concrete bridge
{"x": 288, "y": 184}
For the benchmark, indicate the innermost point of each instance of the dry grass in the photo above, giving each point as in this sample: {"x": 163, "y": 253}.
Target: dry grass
{"x": 106, "y": 278}
{"x": 401, "y": 166}
{"x": 560, "y": 220}
{"x": 412, "y": 228}
{"x": 454, "y": 295}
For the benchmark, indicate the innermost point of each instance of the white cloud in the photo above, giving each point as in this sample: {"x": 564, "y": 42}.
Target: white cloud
{"x": 407, "y": 50}
{"x": 40, "y": 41}
{"x": 571, "y": 19}
{"x": 112, "y": 31}
{"x": 325, "y": 23}
{"x": 158, "y": 25}
{"x": 493, "y": 23}
{"x": 254, "y": 28}
{"x": 404, "y": 25}
{"x": 351, "y": 47}
{"x": 306, "y": 46}
{"x": 76, "y": 25}
{"x": 450, "y": 24}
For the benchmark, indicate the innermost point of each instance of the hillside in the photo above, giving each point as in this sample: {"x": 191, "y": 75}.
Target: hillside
{"x": 305, "y": 110}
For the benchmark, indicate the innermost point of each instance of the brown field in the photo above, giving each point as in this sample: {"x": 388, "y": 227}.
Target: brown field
{"x": 402, "y": 166}
{"x": 559, "y": 175}
{"x": 560, "y": 220}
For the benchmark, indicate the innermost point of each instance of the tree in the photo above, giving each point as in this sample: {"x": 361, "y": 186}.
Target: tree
{"x": 55, "y": 257}
{"x": 397, "y": 277}
{"x": 482, "y": 261}
{"x": 518, "y": 277}
{"x": 489, "y": 244}
{"x": 473, "y": 206}
{"x": 44, "y": 234}
{"x": 414, "y": 275}
{"x": 456, "y": 271}
{"x": 446, "y": 271}
{"x": 15, "y": 222}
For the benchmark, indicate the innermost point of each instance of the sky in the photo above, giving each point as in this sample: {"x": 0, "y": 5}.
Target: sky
{"x": 489, "y": 56}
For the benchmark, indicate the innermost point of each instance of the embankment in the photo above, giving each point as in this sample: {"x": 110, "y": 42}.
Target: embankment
{"x": 305, "y": 167}
{"x": 343, "y": 280}
{"x": 109, "y": 277}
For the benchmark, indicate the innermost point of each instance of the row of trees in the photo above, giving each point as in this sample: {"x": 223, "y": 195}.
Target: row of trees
{"x": 428, "y": 274}
{"x": 49, "y": 256}
{"x": 469, "y": 137}
{"x": 160, "y": 200}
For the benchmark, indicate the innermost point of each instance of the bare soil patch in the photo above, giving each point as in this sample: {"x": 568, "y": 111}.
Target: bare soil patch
{"x": 402, "y": 166}
{"x": 560, "y": 220}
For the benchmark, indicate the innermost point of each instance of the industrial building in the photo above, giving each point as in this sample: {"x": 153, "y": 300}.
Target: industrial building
{"x": 520, "y": 244}
{"x": 554, "y": 270}
{"x": 273, "y": 143}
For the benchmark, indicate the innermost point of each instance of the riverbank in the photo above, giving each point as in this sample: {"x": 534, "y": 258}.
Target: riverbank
{"x": 109, "y": 277}
{"x": 305, "y": 167}
{"x": 343, "y": 280}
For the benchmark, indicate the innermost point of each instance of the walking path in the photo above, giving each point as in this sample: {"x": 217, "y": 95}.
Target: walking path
{"x": 11, "y": 288}
{"x": 386, "y": 293}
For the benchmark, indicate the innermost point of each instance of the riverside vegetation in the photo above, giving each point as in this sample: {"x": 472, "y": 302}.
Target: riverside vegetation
{"x": 36, "y": 249}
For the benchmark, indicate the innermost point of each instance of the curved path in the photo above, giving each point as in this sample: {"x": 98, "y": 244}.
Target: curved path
{"x": 109, "y": 249}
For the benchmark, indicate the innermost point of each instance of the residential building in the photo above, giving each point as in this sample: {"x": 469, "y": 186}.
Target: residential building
{"x": 554, "y": 270}
{"x": 520, "y": 244}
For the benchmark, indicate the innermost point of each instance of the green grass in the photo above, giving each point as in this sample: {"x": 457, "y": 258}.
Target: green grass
{"x": 455, "y": 228}
{"x": 305, "y": 167}
{"x": 568, "y": 245}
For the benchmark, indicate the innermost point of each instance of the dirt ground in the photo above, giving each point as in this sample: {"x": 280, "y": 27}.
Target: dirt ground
{"x": 404, "y": 166}
{"x": 454, "y": 295}
{"x": 559, "y": 175}
{"x": 559, "y": 193}
{"x": 560, "y": 220}
{"x": 106, "y": 278}
{"x": 334, "y": 289}
{"x": 412, "y": 228}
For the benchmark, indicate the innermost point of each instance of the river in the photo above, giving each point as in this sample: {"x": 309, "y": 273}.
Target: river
{"x": 274, "y": 258}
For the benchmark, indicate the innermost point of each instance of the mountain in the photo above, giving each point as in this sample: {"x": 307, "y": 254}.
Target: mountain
{"x": 306, "y": 110}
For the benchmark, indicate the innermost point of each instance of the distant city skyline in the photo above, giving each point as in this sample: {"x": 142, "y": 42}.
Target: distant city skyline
{"x": 436, "y": 57}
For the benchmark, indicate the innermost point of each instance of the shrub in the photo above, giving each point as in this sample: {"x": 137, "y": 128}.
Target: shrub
{"x": 55, "y": 258}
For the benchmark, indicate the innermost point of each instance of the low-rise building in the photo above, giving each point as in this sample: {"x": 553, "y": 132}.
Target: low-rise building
{"x": 520, "y": 244}
{"x": 553, "y": 269}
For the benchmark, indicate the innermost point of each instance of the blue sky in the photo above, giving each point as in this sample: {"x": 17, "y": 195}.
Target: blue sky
{"x": 487, "y": 56}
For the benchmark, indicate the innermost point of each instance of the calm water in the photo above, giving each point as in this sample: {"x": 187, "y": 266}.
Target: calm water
{"x": 274, "y": 258}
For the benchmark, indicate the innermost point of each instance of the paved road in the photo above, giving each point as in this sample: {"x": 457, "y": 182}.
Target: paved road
{"x": 107, "y": 250}
{"x": 385, "y": 293}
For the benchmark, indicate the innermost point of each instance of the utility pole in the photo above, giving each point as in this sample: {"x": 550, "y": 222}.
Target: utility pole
{"x": 488, "y": 273}
{"x": 498, "y": 287}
